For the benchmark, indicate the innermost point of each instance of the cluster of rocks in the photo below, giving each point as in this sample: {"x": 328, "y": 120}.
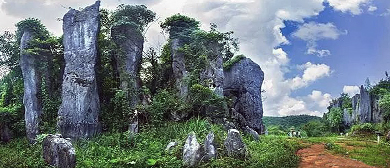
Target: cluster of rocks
{"x": 59, "y": 152}
{"x": 365, "y": 109}
{"x": 194, "y": 153}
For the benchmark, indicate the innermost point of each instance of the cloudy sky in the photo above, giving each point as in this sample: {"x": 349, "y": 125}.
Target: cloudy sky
{"x": 310, "y": 50}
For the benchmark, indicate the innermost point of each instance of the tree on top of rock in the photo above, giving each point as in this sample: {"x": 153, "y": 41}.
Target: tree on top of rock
{"x": 180, "y": 26}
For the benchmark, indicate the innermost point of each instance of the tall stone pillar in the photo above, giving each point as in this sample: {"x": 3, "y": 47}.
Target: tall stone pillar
{"x": 79, "y": 111}
{"x": 32, "y": 104}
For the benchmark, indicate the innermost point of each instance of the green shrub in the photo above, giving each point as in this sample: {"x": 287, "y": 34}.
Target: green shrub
{"x": 228, "y": 64}
{"x": 363, "y": 128}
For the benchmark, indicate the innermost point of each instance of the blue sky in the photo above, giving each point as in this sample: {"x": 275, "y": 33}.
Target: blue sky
{"x": 364, "y": 51}
{"x": 310, "y": 50}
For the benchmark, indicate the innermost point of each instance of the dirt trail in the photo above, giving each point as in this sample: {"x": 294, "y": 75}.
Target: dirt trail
{"x": 315, "y": 156}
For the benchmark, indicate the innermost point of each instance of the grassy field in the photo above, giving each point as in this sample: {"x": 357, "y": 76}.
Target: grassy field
{"x": 147, "y": 149}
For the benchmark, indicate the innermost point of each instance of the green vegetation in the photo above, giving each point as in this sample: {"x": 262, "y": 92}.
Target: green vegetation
{"x": 289, "y": 121}
{"x": 148, "y": 149}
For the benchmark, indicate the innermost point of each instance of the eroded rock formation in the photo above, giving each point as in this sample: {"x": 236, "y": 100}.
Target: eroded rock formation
{"x": 130, "y": 42}
{"x": 31, "y": 80}
{"x": 5, "y": 132}
{"x": 78, "y": 114}
{"x": 179, "y": 67}
{"x": 365, "y": 109}
{"x": 59, "y": 152}
{"x": 212, "y": 76}
{"x": 243, "y": 83}
{"x": 234, "y": 144}
{"x": 191, "y": 151}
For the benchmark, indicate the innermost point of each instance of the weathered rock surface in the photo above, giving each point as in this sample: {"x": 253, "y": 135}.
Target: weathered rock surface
{"x": 5, "y": 132}
{"x": 78, "y": 114}
{"x": 192, "y": 151}
{"x": 131, "y": 43}
{"x": 212, "y": 76}
{"x": 243, "y": 81}
{"x": 31, "y": 81}
{"x": 377, "y": 112}
{"x": 59, "y": 152}
{"x": 210, "y": 151}
{"x": 388, "y": 137}
{"x": 234, "y": 145}
{"x": 179, "y": 68}
{"x": 365, "y": 106}
{"x": 170, "y": 146}
{"x": 252, "y": 132}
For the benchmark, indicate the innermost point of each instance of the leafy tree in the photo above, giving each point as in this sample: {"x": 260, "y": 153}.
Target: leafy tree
{"x": 384, "y": 103}
{"x": 334, "y": 117}
{"x": 138, "y": 16}
{"x": 180, "y": 26}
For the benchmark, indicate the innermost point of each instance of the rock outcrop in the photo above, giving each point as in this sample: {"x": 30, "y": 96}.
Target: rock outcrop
{"x": 179, "y": 67}
{"x": 210, "y": 151}
{"x": 191, "y": 151}
{"x": 5, "y": 132}
{"x": 234, "y": 144}
{"x": 365, "y": 109}
{"x": 129, "y": 58}
{"x": 31, "y": 81}
{"x": 212, "y": 76}
{"x": 59, "y": 152}
{"x": 243, "y": 83}
{"x": 171, "y": 146}
{"x": 364, "y": 106}
{"x": 78, "y": 114}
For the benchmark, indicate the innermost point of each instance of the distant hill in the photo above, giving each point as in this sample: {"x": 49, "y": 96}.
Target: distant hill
{"x": 288, "y": 121}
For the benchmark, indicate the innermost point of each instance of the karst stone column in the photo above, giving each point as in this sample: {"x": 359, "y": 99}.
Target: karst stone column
{"x": 32, "y": 104}
{"x": 78, "y": 114}
{"x": 179, "y": 67}
{"x": 130, "y": 42}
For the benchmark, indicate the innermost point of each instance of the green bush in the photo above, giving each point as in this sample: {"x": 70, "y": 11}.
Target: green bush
{"x": 228, "y": 64}
{"x": 164, "y": 104}
{"x": 363, "y": 128}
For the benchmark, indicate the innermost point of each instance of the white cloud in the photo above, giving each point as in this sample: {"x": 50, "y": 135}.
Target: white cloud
{"x": 351, "y": 90}
{"x": 387, "y": 13}
{"x": 311, "y": 73}
{"x": 372, "y": 8}
{"x": 314, "y": 104}
{"x": 352, "y": 6}
{"x": 312, "y": 32}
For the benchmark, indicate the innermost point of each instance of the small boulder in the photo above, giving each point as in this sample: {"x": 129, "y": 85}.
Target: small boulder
{"x": 228, "y": 125}
{"x": 388, "y": 137}
{"x": 234, "y": 144}
{"x": 209, "y": 147}
{"x": 252, "y": 132}
{"x": 59, "y": 152}
{"x": 5, "y": 132}
{"x": 170, "y": 146}
{"x": 191, "y": 151}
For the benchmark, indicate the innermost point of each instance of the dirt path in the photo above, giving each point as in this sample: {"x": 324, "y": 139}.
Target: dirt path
{"x": 315, "y": 156}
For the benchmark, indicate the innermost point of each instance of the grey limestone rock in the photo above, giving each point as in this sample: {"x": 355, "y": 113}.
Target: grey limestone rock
{"x": 192, "y": 151}
{"x": 170, "y": 146}
{"x": 243, "y": 82}
{"x": 210, "y": 151}
{"x": 78, "y": 113}
{"x": 31, "y": 80}
{"x": 129, "y": 59}
{"x": 179, "y": 68}
{"x": 59, "y": 152}
{"x": 364, "y": 106}
{"x": 5, "y": 132}
{"x": 234, "y": 144}
{"x": 252, "y": 132}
